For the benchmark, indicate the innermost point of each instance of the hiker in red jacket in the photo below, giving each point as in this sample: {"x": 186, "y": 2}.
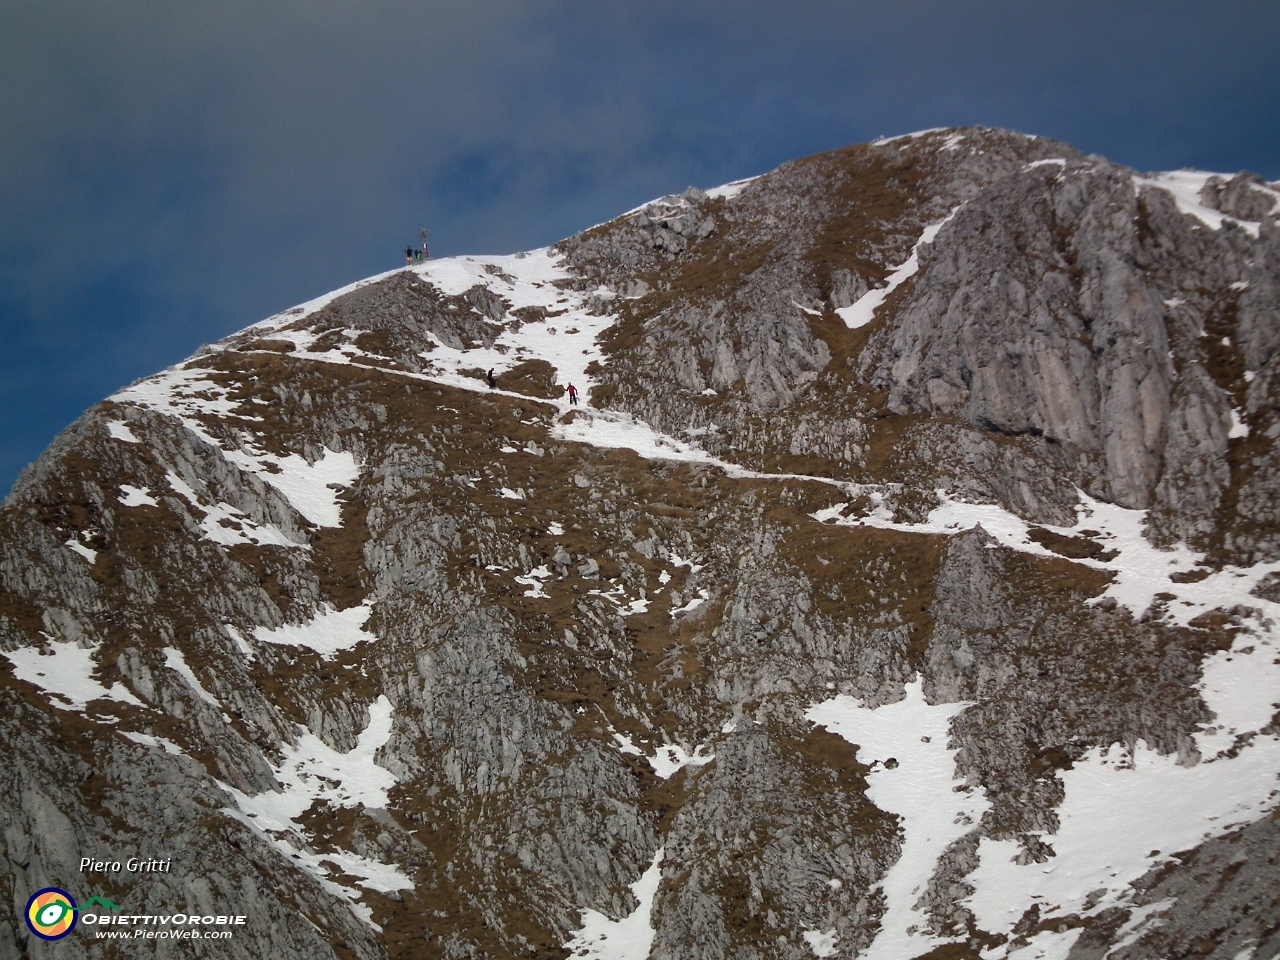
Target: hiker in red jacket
{"x": 573, "y": 395}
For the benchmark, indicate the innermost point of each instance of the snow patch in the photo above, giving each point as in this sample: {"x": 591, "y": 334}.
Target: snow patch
{"x": 617, "y": 595}
{"x": 565, "y": 338}
{"x": 730, "y": 190}
{"x": 241, "y": 643}
{"x": 1185, "y": 187}
{"x": 1122, "y": 815}
{"x": 312, "y": 771}
{"x": 174, "y": 660}
{"x": 692, "y": 604}
{"x": 1141, "y": 570}
{"x": 1046, "y": 945}
{"x": 1118, "y": 808}
{"x": 625, "y": 745}
{"x": 227, "y": 525}
{"x": 120, "y": 431}
{"x": 678, "y": 561}
{"x": 860, "y": 313}
{"x": 66, "y": 673}
{"x": 630, "y": 938}
{"x": 147, "y": 740}
{"x": 137, "y": 496}
{"x": 821, "y": 942}
{"x": 183, "y": 392}
{"x": 533, "y": 580}
{"x": 909, "y": 136}
{"x": 1238, "y": 427}
{"x": 918, "y": 787}
{"x": 309, "y": 487}
{"x": 1140, "y": 920}
{"x": 670, "y": 758}
{"x": 78, "y": 547}
{"x": 326, "y": 633}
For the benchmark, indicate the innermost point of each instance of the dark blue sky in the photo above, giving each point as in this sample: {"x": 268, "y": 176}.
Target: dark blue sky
{"x": 171, "y": 171}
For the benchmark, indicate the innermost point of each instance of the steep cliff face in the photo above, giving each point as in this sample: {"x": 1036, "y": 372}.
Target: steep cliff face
{"x": 906, "y": 588}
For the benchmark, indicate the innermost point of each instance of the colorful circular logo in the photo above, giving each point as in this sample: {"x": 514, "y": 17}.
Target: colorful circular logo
{"x": 51, "y": 913}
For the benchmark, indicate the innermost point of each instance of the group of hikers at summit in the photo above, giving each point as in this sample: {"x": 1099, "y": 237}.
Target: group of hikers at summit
{"x": 412, "y": 256}
{"x": 571, "y": 390}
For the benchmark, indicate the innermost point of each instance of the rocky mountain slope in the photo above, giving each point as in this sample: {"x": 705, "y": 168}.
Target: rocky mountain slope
{"x": 906, "y": 586}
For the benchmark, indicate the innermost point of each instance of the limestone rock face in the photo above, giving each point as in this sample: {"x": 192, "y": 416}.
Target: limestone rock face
{"x": 1044, "y": 308}
{"x": 904, "y": 585}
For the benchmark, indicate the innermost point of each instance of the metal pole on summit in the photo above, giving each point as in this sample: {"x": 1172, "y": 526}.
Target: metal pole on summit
{"x": 422, "y": 235}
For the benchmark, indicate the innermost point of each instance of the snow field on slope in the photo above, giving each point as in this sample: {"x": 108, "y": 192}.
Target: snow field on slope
{"x": 309, "y": 771}
{"x": 308, "y": 487}
{"x": 1123, "y": 815}
{"x": 730, "y": 190}
{"x": 137, "y": 496}
{"x": 119, "y": 430}
{"x": 184, "y": 393}
{"x": 1185, "y": 187}
{"x": 1232, "y": 683}
{"x": 667, "y": 759}
{"x": 566, "y": 341}
{"x": 66, "y": 673}
{"x": 1141, "y": 570}
{"x": 630, "y": 938}
{"x": 312, "y": 771}
{"x": 75, "y": 546}
{"x": 147, "y": 740}
{"x": 821, "y": 942}
{"x": 222, "y": 523}
{"x": 328, "y": 632}
{"x": 919, "y": 789}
